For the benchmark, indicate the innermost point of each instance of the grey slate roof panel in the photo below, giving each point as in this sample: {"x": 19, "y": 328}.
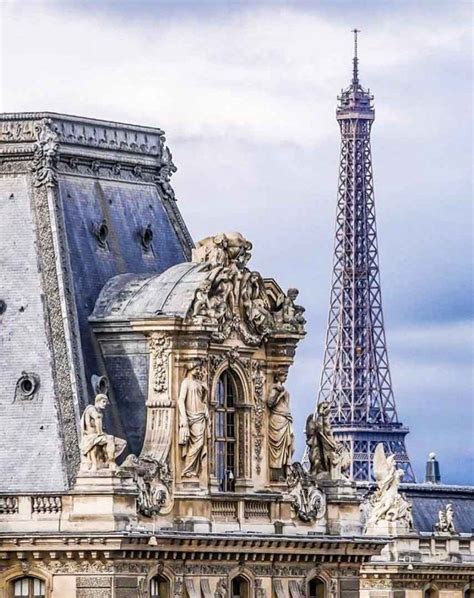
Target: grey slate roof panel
{"x": 170, "y": 293}
{"x": 428, "y": 500}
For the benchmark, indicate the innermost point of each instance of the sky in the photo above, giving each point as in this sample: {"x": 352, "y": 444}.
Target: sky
{"x": 246, "y": 92}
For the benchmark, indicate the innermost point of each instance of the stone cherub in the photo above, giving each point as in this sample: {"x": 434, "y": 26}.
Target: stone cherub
{"x": 193, "y": 421}
{"x": 387, "y": 503}
{"x": 99, "y": 450}
{"x": 290, "y": 316}
{"x": 202, "y": 304}
{"x": 326, "y": 456}
{"x": 446, "y": 520}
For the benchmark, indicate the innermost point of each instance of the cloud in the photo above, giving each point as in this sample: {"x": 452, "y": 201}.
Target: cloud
{"x": 259, "y": 72}
{"x": 247, "y": 94}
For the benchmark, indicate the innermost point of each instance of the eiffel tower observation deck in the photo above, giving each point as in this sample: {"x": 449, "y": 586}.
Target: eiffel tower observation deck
{"x": 355, "y": 378}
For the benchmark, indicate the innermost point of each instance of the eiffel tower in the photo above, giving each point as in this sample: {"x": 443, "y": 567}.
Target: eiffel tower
{"x": 355, "y": 378}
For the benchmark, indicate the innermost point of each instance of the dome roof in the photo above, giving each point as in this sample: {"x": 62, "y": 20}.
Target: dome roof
{"x": 131, "y": 296}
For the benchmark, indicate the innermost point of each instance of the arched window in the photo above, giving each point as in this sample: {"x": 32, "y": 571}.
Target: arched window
{"x": 316, "y": 588}
{"x": 430, "y": 592}
{"x": 28, "y": 587}
{"x": 160, "y": 587}
{"x": 225, "y": 432}
{"x": 240, "y": 588}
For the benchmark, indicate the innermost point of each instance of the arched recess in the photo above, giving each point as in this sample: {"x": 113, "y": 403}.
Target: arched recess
{"x": 160, "y": 582}
{"x": 231, "y": 437}
{"x": 317, "y": 584}
{"x": 430, "y": 591}
{"x": 241, "y": 583}
{"x": 18, "y": 573}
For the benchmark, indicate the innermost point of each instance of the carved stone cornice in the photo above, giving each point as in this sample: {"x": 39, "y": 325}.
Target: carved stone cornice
{"x": 53, "y": 143}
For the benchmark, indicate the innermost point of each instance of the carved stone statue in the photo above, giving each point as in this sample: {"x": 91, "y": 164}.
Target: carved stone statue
{"x": 446, "y": 520}
{"x": 325, "y": 454}
{"x": 236, "y": 299}
{"x": 98, "y": 449}
{"x": 306, "y": 498}
{"x": 387, "y": 504}
{"x": 290, "y": 316}
{"x": 280, "y": 425}
{"x": 193, "y": 421}
{"x": 202, "y": 305}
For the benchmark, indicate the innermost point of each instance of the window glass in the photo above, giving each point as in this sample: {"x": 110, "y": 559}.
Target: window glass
{"x": 29, "y": 587}
{"x": 160, "y": 587}
{"x": 225, "y": 432}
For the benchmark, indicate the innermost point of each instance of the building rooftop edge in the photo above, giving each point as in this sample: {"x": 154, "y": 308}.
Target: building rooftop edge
{"x": 15, "y": 116}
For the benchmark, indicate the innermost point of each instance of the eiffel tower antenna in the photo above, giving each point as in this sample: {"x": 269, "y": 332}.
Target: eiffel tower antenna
{"x": 355, "y": 60}
{"x": 355, "y": 378}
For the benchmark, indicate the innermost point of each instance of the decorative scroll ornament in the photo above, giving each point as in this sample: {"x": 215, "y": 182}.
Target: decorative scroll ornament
{"x": 326, "y": 456}
{"x": 446, "y": 520}
{"x": 154, "y": 481}
{"x": 387, "y": 504}
{"x": 45, "y": 157}
{"x": 307, "y": 500}
{"x": 235, "y": 299}
{"x": 166, "y": 170}
{"x": 258, "y": 379}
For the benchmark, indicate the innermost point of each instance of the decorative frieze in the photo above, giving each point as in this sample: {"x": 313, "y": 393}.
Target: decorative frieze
{"x": 258, "y": 381}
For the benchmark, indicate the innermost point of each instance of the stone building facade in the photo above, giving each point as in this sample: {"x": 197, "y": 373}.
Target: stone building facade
{"x": 147, "y": 445}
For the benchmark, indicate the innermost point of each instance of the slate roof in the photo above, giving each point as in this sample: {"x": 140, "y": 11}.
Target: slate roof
{"x": 130, "y": 296}
{"x": 429, "y": 499}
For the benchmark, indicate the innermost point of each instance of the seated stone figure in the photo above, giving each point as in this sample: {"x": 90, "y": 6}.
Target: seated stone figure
{"x": 98, "y": 449}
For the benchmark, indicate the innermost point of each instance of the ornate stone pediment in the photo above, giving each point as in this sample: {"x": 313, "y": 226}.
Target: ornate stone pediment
{"x": 235, "y": 299}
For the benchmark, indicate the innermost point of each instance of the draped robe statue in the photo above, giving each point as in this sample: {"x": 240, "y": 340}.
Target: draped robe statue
{"x": 280, "y": 425}
{"x": 98, "y": 449}
{"x": 193, "y": 422}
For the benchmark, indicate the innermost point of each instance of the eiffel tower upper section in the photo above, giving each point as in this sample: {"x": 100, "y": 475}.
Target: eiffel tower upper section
{"x": 356, "y": 376}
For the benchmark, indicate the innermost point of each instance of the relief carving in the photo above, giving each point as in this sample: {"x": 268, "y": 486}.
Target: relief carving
{"x": 307, "y": 500}
{"x": 46, "y": 155}
{"x": 159, "y": 356}
{"x": 155, "y": 484}
{"x": 258, "y": 379}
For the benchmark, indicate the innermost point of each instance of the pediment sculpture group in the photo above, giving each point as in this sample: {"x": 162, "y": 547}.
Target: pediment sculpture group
{"x": 236, "y": 299}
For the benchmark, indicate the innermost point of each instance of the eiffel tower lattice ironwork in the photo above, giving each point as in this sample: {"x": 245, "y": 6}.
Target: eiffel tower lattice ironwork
{"x": 355, "y": 377}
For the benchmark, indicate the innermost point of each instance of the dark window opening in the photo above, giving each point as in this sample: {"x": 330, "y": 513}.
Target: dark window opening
{"x": 225, "y": 432}
{"x": 240, "y": 588}
{"x": 160, "y": 587}
{"x": 316, "y": 588}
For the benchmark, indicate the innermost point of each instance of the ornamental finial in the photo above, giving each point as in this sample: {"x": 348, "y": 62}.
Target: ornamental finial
{"x": 355, "y": 60}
